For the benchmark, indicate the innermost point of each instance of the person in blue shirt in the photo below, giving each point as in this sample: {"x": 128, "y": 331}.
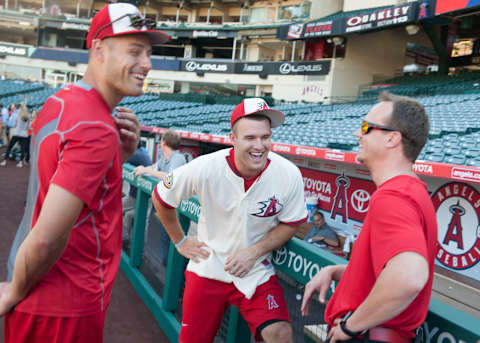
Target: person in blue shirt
{"x": 321, "y": 233}
{"x": 139, "y": 158}
{"x": 170, "y": 159}
{"x": 14, "y": 109}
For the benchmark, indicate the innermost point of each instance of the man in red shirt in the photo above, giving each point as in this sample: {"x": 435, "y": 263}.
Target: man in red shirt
{"x": 67, "y": 249}
{"x": 385, "y": 289}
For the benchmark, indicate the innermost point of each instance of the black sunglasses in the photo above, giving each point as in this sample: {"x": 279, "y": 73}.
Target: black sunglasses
{"x": 367, "y": 127}
{"x": 136, "y": 21}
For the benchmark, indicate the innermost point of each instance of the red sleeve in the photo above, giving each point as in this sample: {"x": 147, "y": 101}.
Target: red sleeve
{"x": 396, "y": 227}
{"x": 87, "y": 153}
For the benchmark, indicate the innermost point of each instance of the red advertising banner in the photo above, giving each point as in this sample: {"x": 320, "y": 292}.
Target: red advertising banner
{"x": 444, "y": 6}
{"x": 344, "y": 197}
{"x": 190, "y": 152}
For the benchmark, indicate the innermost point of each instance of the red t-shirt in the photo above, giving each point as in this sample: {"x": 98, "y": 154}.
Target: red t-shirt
{"x": 401, "y": 218}
{"x": 77, "y": 148}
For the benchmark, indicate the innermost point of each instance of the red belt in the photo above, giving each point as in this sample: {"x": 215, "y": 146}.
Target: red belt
{"x": 382, "y": 334}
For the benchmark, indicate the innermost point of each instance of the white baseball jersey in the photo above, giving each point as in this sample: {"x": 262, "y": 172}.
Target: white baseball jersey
{"x": 232, "y": 218}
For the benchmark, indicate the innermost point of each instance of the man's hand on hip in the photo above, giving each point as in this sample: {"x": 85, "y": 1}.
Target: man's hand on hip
{"x": 193, "y": 250}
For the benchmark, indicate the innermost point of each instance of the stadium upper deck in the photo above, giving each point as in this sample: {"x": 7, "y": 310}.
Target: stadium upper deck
{"x": 291, "y": 50}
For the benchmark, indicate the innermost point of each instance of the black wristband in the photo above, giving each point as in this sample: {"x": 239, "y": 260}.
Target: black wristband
{"x": 343, "y": 326}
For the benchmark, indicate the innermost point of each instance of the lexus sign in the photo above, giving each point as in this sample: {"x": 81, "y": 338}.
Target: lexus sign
{"x": 267, "y": 68}
{"x": 14, "y": 50}
{"x": 207, "y": 67}
{"x": 310, "y": 68}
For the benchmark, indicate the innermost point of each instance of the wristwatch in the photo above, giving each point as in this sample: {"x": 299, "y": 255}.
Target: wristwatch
{"x": 343, "y": 326}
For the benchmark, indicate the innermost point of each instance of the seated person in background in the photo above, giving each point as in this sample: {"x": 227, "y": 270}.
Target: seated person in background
{"x": 170, "y": 159}
{"x": 140, "y": 157}
{"x": 321, "y": 232}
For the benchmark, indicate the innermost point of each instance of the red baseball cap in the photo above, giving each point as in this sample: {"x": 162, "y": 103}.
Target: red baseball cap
{"x": 251, "y": 106}
{"x": 123, "y": 19}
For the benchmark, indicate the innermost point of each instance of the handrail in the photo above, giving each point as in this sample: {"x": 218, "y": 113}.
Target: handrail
{"x": 297, "y": 259}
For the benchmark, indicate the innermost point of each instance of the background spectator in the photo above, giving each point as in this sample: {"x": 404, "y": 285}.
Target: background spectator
{"x": 321, "y": 232}
{"x": 20, "y": 127}
{"x": 170, "y": 159}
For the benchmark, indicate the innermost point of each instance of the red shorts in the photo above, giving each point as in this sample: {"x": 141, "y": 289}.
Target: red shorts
{"x": 22, "y": 327}
{"x": 205, "y": 302}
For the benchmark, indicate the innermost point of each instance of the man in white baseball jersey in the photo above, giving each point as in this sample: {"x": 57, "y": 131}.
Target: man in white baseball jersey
{"x": 252, "y": 200}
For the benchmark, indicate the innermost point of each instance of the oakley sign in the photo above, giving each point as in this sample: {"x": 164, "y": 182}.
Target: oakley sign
{"x": 384, "y": 17}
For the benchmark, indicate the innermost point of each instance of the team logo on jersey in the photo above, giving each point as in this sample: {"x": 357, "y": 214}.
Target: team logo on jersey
{"x": 458, "y": 211}
{"x": 268, "y": 208}
{"x": 271, "y": 303}
{"x": 168, "y": 181}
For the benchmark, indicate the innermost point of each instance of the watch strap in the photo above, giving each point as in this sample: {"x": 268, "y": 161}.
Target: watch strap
{"x": 343, "y": 326}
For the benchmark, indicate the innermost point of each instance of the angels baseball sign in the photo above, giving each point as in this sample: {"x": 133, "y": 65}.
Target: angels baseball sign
{"x": 458, "y": 211}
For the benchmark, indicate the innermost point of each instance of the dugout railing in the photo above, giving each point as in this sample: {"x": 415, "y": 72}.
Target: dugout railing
{"x": 297, "y": 259}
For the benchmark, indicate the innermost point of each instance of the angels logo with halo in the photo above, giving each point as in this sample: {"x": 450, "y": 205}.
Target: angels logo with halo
{"x": 457, "y": 207}
{"x": 268, "y": 208}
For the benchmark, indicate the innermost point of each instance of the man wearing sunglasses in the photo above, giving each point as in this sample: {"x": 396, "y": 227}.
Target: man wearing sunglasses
{"x": 67, "y": 249}
{"x": 384, "y": 291}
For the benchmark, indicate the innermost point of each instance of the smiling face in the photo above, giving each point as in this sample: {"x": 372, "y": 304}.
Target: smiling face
{"x": 371, "y": 145}
{"x": 251, "y": 139}
{"x": 127, "y": 63}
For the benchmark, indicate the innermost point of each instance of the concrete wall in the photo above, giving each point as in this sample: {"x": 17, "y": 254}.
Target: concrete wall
{"x": 300, "y": 88}
{"x": 31, "y": 68}
{"x": 384, "y": 57}
{"x": 353, "y": 5}
{"x": 320, "y": 9}
{"x": 22, "y": 72}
